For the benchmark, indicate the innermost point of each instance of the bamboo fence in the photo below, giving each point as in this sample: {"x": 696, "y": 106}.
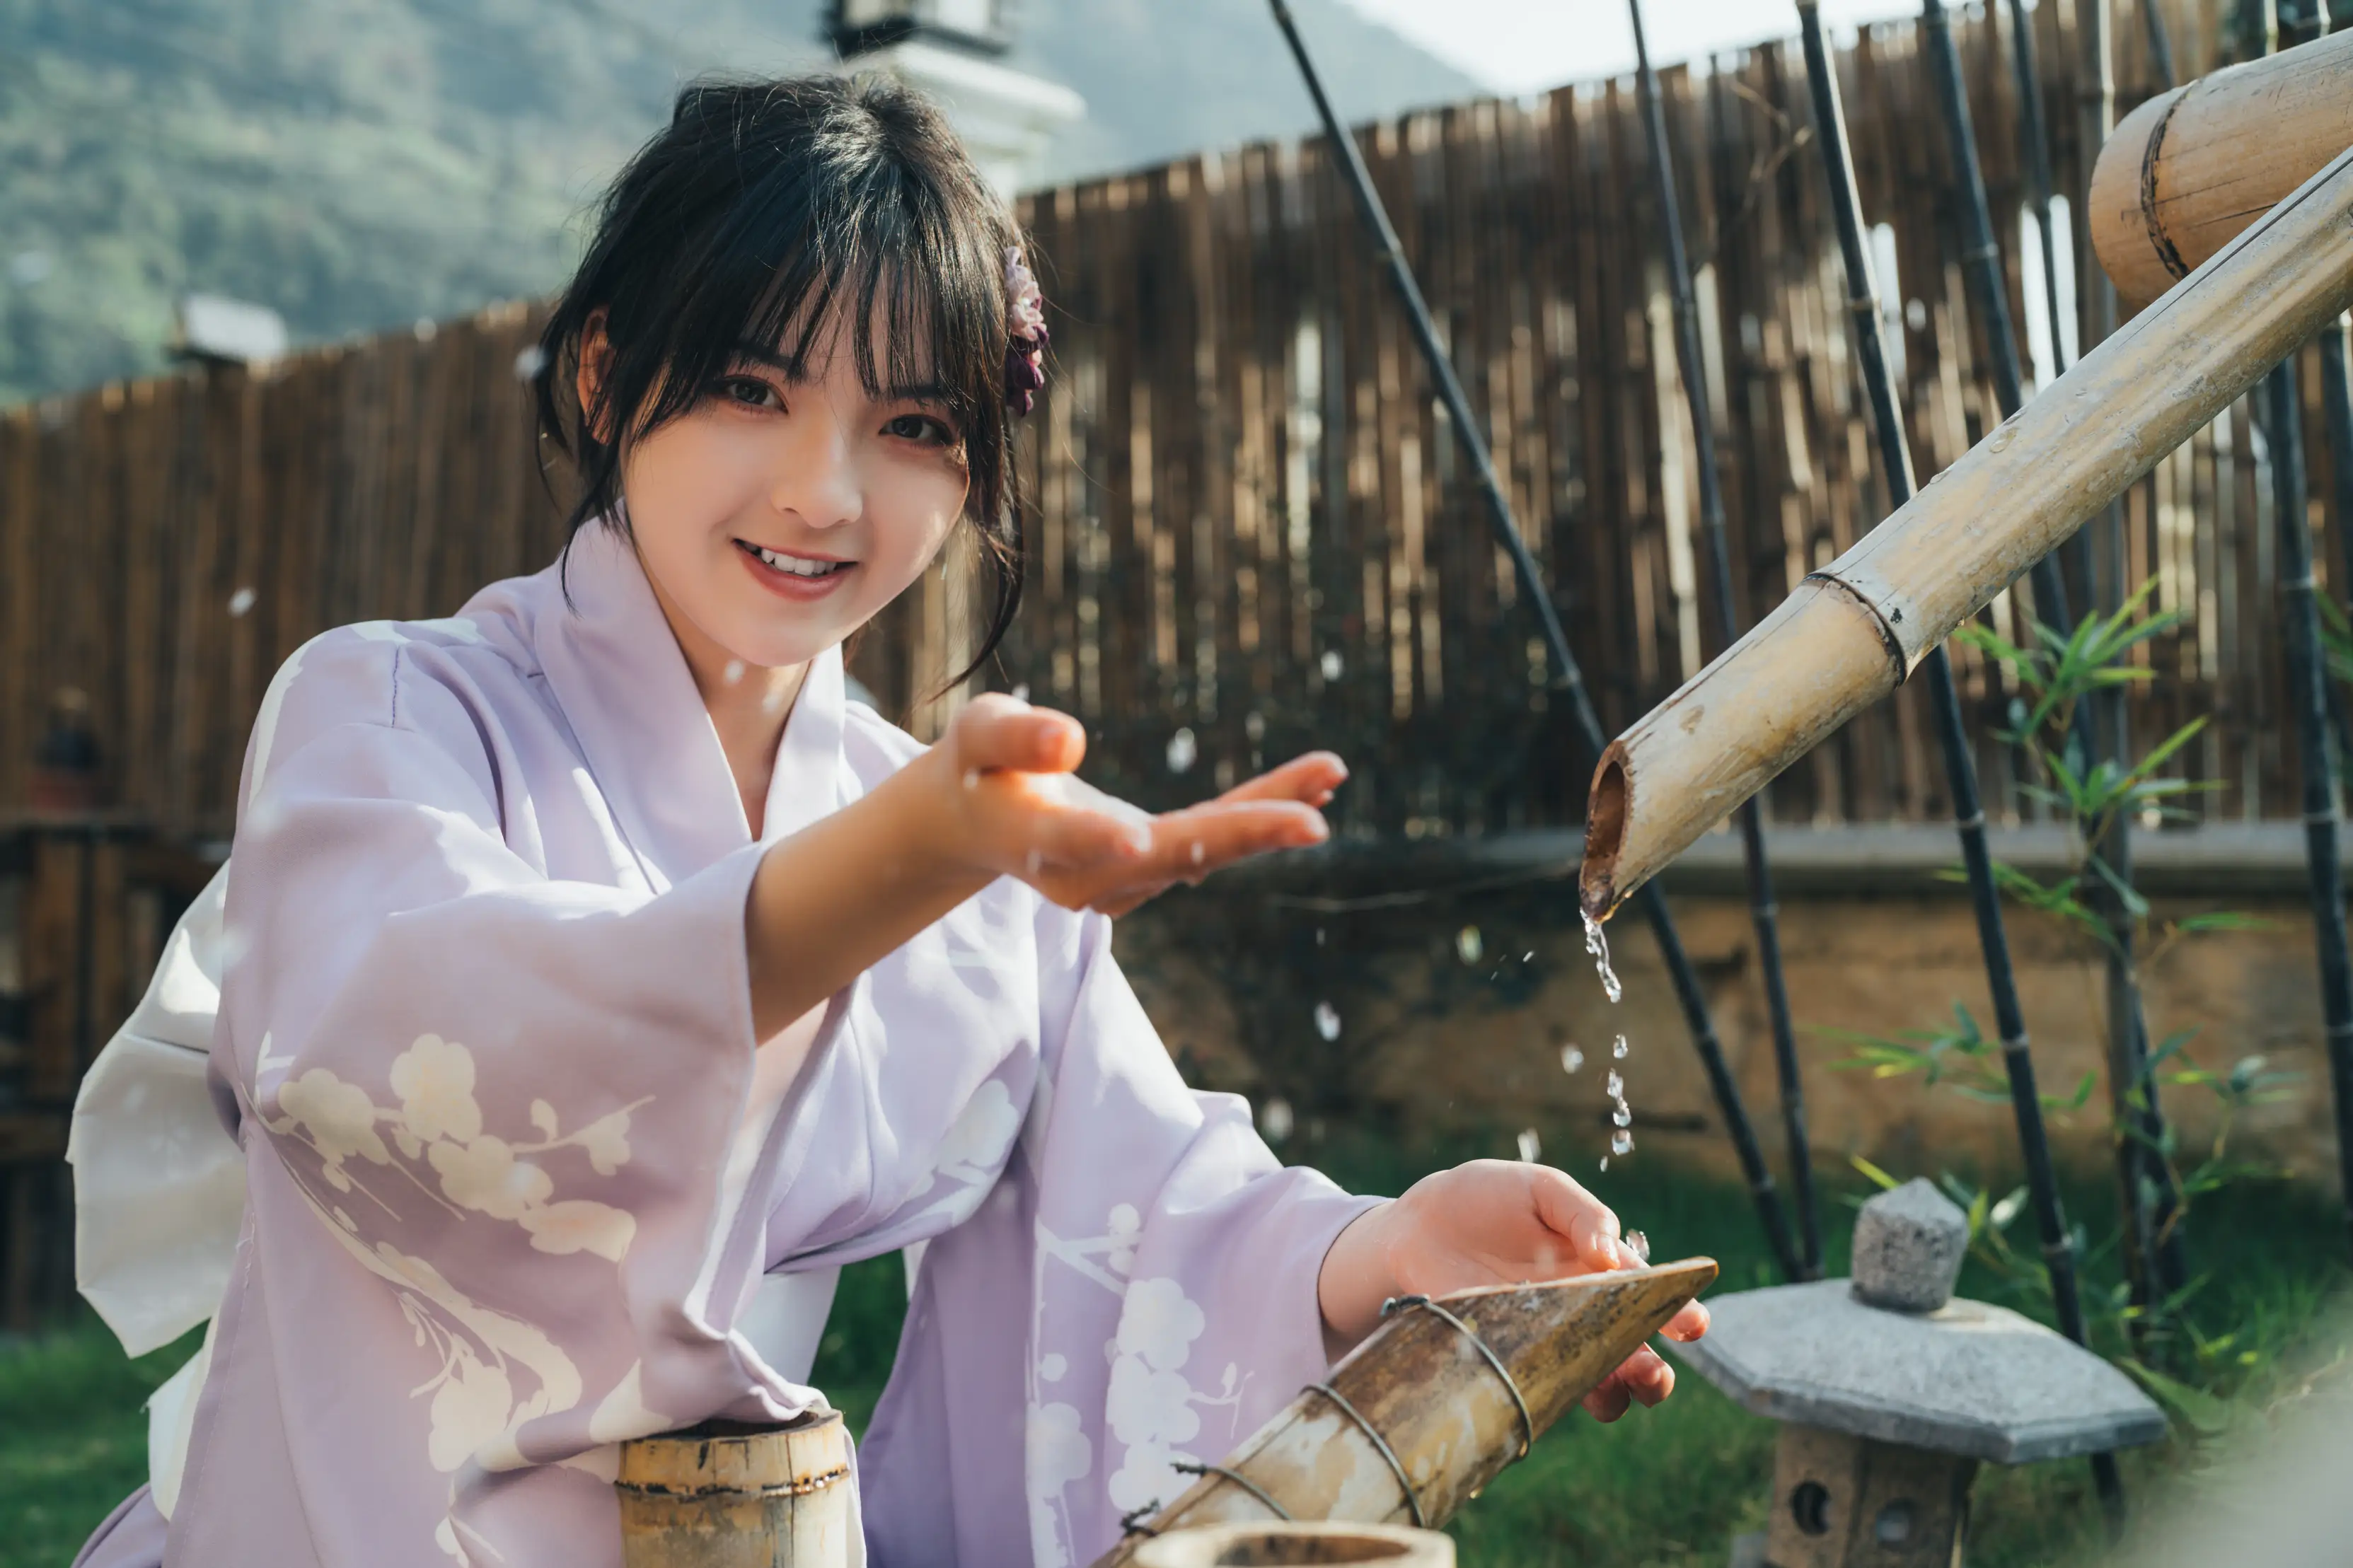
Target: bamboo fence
{"x": 1245, "y": 521}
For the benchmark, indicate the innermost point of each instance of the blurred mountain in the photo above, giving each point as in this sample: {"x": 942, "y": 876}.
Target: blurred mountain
{"x": 359, "y": 164}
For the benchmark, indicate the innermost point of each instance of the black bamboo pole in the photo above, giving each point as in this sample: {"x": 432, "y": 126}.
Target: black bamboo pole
{"x": 1566, "y": 676}
{"x": 2141, "y": 1169}
{"x": 1961, "y": 767}
{"x": 2160, "y": 44}
{"x": 2309, "y": 691}
{"x": 1763, "y": 913}
{"x": 2337, "y": 406}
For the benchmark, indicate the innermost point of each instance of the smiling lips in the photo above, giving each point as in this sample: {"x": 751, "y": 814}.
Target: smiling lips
{"x": 794, "y": 576}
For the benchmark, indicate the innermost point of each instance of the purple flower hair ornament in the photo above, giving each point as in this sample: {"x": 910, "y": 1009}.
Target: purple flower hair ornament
{"x": 1024, "y": 348}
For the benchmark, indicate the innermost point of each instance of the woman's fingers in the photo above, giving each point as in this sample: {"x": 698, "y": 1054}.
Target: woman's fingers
{"x": 1688, "y": 1324}
{"x": 1192, "y": 843}
{"x": 1608, "y": 1402}
{"x": 1311, "y": 778}
{"x": 997, "y": 731}
{"x": 1571, "y": 1211}
{"x": 1646, "y": 1375}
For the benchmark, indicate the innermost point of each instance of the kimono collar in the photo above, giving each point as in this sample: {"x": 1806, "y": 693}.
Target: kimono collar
{"x": 624, "y": 686}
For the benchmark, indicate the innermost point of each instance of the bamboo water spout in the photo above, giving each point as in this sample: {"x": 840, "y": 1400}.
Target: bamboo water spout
{"x": 2183, "y": 172}
{"x": 1855, "y": 629}
{"x": 1430, "y": 1409}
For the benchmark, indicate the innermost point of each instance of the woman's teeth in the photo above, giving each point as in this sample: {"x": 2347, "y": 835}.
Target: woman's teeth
{"x": 797, "y": 566}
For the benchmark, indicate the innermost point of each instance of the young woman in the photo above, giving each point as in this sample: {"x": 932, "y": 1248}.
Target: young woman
{"x": 596, "y": 979}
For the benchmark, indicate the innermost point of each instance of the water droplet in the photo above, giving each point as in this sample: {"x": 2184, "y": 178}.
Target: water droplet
{"x": 1183, "y": 751}
{"x": 1468, "y": 945}
{"x": 971, "y": 778}
{"x": 1528, "y": 958}
{"x": 1319, "y": 936}
{"x": 530, "y": 363}
{"x": 1599, "y": 946}
{"x": 1201, "y": 852}
{"x": 1254, "y": 726}
{"x": 1621, "y": 1141}
{"x": 1035, "y": 862}
{"x": 1333, "y": 666}
{"x": 733, "y": 672}
{"x": 1327, "y": 1021}
{"x": 1274, "y": 1120}
{"x": 1638, "y": 1244}
{"x": 1616, "y": 1086}
{"x": 1605, "y": 1161}
{"x": 1622, "y": 1117}
{"x": 1571, "y": 1058}
{"x": 1021, "y": 693}
{"x": 777, "y": 698}
{"x": 1530, "y": 1146}
{"x": 241, "y": 601}
{"x": 1618, "y": 1048}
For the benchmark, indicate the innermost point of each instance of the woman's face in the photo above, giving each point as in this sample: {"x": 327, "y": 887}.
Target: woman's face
{"x": 786, "y": 507}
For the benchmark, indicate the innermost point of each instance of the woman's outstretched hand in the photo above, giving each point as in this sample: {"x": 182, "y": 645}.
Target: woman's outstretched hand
{"x": 1491, "y": 1222}
{"x": 1016, "y": 808}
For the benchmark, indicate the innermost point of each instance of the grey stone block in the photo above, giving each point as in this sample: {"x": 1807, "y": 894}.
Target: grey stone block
{"x": 1908, "y": 1245}
{"x": 1969, "y": 1378}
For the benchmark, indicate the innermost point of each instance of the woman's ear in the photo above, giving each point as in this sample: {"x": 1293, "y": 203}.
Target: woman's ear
{"x": 588, "y": 381}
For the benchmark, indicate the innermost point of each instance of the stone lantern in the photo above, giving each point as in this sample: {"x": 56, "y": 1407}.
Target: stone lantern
{"x": 1890, "y": 1393}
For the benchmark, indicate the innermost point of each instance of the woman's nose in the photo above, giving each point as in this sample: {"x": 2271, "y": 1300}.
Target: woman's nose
{"x": 817, "y": 480}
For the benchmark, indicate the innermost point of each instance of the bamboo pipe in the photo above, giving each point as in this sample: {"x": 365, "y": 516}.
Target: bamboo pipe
{"x": 1421, "y": 1403}
{"x": 728, "y": 1495}
{"x": 2185, "y": 171}
{"x": 1853, "y": 630}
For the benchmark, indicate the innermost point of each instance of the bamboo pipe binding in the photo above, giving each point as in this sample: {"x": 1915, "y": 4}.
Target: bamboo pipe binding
{"x": 728, "y": 1494}
{"x": 1432, "y": 1406}
{"x": 1278, "y": 1545}
{"x": 2189, "y": 169}
{"x": 1853, "y": 630}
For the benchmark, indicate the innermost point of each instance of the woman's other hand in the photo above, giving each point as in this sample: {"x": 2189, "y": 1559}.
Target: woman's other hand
{"x": 1492, "y": 1221}
{"x": 1016, "y": 807}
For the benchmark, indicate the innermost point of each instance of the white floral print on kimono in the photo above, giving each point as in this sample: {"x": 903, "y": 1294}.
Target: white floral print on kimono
{"x": 514, "y": 1179}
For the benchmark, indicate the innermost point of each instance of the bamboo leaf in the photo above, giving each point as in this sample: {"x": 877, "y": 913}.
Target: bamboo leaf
{"x": 1874, "y": 1172}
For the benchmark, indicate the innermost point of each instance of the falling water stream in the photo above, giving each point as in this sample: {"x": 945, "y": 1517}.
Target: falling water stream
{"x": 1621, "y": 1116}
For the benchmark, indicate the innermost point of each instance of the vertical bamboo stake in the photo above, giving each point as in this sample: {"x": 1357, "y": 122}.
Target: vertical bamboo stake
{"x": 1566, "y": 676}
{"x": 1960, "y": 768}
{"x": 2140, "y": 1167}
{"x": 2309, "y": 691}
{"x": 1763, "y": 912}
{"x": 2337, "y": 404}
{"x": 2160, "y": 46}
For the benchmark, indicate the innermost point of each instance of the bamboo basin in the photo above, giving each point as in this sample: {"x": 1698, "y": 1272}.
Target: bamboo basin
{"x": 2188, "y": 169}
{"x": 728, "y": 1494}
{"x": 1445, "y": 1412}
{"x": 1278, "y": 1545}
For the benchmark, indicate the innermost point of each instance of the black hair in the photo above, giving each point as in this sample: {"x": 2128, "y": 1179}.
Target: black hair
{"x": 772, "y": 208}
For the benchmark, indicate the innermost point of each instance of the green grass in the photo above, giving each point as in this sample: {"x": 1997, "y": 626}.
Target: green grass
{"x": 1666, "y": 1486}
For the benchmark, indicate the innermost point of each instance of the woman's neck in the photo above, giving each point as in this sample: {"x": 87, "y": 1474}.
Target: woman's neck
{"x": 748, "y": 704}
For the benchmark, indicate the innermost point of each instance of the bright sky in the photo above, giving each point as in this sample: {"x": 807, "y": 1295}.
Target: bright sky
{"x": 1521, "y": 45}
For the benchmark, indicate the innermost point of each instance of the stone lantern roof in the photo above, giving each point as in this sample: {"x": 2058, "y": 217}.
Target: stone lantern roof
{"x": 1890, "y": 1355}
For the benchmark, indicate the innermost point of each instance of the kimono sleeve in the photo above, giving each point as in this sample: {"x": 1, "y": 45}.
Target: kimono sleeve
{"x": 514, "y": 1100}
{"x": 1146, "y": 1295}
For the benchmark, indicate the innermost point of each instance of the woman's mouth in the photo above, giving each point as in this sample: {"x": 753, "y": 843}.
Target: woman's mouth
{"x": 798, "y": 577}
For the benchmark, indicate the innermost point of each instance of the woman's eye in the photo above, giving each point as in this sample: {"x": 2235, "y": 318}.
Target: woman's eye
{"x": 748, "y": 391}
{"x": 923, "y": 427}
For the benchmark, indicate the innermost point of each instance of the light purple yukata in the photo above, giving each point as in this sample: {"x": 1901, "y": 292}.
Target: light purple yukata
{"x": 516, "y": 1189}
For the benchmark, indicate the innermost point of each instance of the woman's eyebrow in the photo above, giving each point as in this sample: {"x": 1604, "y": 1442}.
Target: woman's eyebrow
{"x": 791, "y": 367}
